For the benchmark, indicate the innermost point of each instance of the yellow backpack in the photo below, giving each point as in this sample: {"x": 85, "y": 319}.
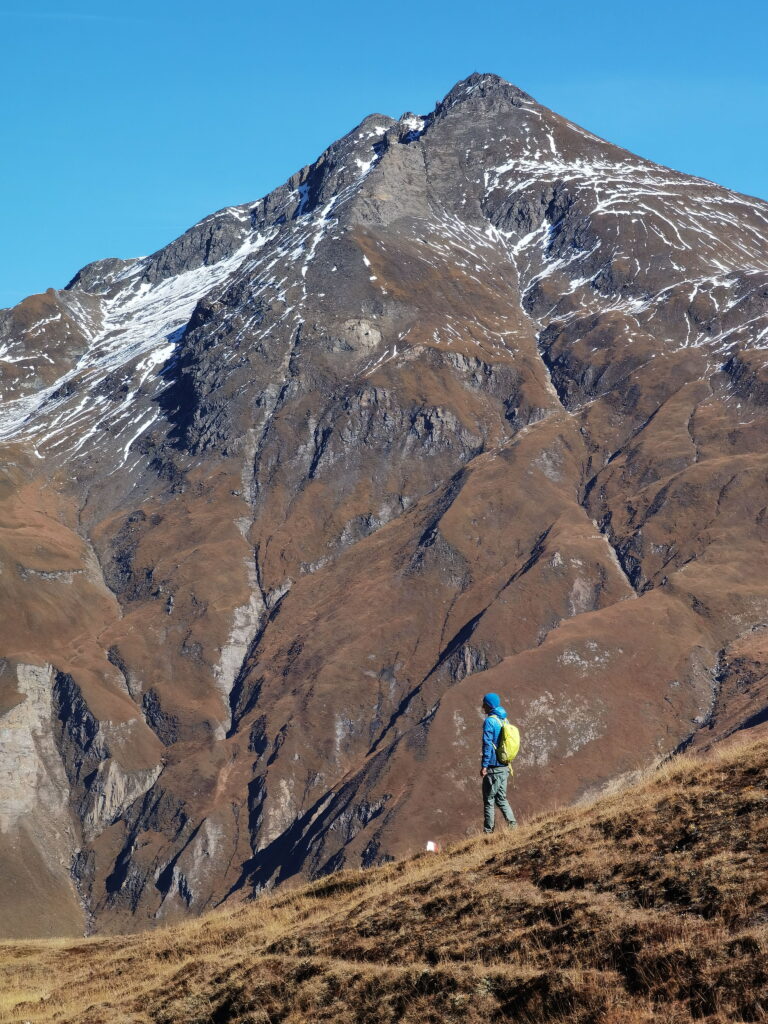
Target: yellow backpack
{"x": 508, "y": 744}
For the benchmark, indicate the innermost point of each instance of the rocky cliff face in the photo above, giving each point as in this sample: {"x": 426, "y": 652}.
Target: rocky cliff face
{"x": 476, "y": 401}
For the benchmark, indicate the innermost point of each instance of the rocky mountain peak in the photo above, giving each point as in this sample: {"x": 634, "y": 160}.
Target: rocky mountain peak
{"x": 483, "y": 90}
{"x": 473, "y": 402}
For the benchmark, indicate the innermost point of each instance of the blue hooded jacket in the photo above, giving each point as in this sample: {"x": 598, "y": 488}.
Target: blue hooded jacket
{"x": 491, "y": 730}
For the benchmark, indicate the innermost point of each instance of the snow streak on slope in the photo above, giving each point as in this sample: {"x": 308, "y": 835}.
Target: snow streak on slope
{"x": 594, "y": 234}
{"x": 137, "y": 331}
{"x": 141, "y": 321}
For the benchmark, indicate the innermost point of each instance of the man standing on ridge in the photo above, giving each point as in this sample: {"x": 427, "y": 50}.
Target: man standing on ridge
{"x": 494, "y": 774}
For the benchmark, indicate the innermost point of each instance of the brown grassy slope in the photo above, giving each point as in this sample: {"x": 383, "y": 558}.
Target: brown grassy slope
{"x": 649, "y": 905}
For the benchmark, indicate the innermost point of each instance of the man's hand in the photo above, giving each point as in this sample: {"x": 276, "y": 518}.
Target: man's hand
{"x": 483, "y": 772}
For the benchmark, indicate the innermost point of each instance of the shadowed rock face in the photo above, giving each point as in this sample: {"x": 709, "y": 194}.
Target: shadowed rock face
{"x": 476, "y": 401}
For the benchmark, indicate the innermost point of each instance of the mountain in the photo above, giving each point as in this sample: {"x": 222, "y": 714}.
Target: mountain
{"x": 646, "y": 907}
{"x": 476, "y": 401}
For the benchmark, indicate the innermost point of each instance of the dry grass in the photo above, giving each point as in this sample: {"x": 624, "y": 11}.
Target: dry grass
{"x": 650, "y": 905}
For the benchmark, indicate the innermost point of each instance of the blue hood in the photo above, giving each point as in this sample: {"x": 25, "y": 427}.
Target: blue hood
{"x": 492, "y": 700}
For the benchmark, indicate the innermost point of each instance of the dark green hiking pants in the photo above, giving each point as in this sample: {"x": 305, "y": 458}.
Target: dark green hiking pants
{"x": 495, "y": 795}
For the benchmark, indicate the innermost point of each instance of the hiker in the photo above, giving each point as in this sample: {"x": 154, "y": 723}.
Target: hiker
{"x": 495, "y": 774}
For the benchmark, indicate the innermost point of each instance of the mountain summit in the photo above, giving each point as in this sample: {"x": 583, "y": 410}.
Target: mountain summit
{"x": 475, "y": 402}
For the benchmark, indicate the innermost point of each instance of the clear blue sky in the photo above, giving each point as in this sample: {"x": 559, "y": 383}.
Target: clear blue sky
{"x": 120, "y": 130}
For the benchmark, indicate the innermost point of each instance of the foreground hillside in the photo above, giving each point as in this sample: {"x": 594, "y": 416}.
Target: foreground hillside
{"x": 648, "y": 905}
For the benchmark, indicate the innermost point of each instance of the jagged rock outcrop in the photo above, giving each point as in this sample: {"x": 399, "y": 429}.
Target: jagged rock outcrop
{"x": 475, "y": 401}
